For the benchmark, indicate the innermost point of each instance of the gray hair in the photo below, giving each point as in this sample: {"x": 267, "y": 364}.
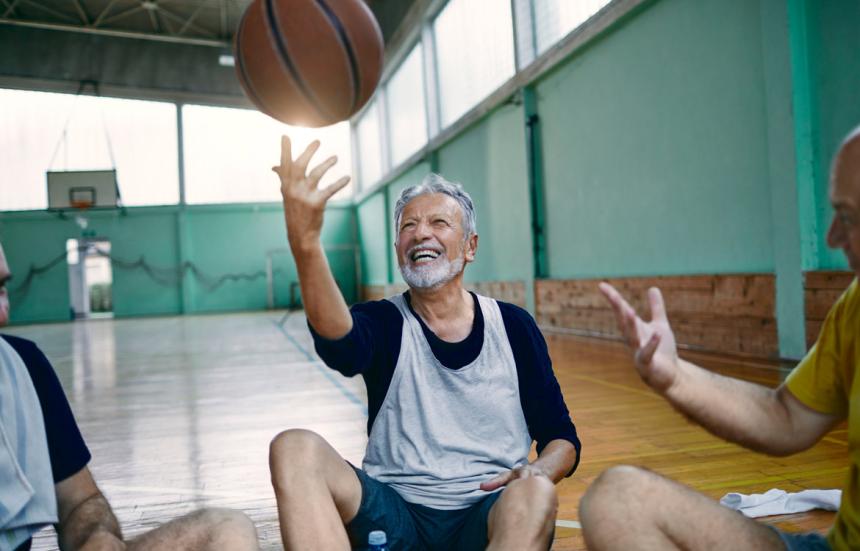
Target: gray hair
{"x": 434, "y": 183}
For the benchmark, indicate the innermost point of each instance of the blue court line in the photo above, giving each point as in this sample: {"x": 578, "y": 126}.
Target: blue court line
{"x": 323, "y": 369}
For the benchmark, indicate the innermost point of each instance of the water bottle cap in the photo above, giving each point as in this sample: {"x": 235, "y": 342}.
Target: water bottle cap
{"x": 377, "y": 537}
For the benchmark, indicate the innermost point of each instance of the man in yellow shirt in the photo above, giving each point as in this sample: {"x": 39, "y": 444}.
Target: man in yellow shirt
{"x": 632, "y": 508}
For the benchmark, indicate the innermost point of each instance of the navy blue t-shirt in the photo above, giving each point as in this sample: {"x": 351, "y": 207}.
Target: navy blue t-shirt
{"x": 372, "y": 348}
{"x": 69, "y": 454}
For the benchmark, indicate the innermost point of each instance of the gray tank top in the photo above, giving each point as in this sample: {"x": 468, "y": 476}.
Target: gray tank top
{"x": 441, "y": 432}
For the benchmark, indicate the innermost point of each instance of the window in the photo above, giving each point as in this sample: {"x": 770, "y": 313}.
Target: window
{"x": 369, "y": 146}
{"x": 474, "y": 42}
{"x": 229, "y": 154}
{"x": 407, "y": 119}
{"x": 554, "y": 19}
{"x": 32, "y": 141}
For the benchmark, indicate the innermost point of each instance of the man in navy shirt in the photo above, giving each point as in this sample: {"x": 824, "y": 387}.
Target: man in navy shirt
{"x": 72, "y": 501}
{"x": 458, "y": 385}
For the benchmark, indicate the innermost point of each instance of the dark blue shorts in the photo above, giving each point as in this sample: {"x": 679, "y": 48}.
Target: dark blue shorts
{"x": 416, "y": 527}
{"x": 804, "y": 542}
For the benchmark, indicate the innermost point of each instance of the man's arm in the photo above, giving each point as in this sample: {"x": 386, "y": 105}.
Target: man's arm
{"x": 304, "y": 206}
{"x": 86, "y": 519}
{"x": 767, "y": 420}
{"x": 554, "y": 462}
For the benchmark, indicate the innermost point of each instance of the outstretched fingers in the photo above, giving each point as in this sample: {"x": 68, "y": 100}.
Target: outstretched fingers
{"x": 658, "y": 307}
{"x": 624, "y": 314}
{"x": 286, "y": 154}
{"x": 319, "y": 171}
{"x": 329, "y": 191}
{"x": 645, "y": 354}
{"x": 300, "y": 165}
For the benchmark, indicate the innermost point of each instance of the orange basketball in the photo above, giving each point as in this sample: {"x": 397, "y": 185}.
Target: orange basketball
{"x": 308, "y": 62}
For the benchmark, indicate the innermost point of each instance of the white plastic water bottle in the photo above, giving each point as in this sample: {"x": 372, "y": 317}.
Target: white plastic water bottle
{"x": 377, "y": 541}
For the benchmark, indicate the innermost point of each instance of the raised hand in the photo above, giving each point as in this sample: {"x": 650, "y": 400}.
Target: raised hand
{"x": 304, "y": 202}
{"x": 653, "y": 343}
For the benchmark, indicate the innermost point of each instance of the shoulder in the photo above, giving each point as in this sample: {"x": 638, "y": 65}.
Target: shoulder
{"x": 516, "y": 317}
{"x": 842, "y": 319}
{"x": 377, "y": 312}
{"x": 849, "y": 302}
{"x": 376, "y": 308}
{"x": 32, "y": 356}
{"x": 22, "y": 346}
{"x": 40, "y": 369}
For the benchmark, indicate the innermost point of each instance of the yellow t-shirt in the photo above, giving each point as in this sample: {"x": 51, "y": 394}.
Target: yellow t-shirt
{"x": 825, "y": 381}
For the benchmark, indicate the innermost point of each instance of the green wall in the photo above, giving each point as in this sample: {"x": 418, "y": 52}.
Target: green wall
{"x": 218, "y": 239}
{"x": 372, "y": 219}
{"x": 655, "y": 147}
{"x": 489, "y": 159}
{"x": 834, "y": 72}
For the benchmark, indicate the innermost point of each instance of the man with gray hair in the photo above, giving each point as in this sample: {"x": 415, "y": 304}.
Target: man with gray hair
{"x": 458, "y": 386}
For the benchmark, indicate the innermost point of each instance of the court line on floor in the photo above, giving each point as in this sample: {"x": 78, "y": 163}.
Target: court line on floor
{"x": 158, "y": 490}
{"x": 568, "y": 524}
{"x": 322, "y": 368}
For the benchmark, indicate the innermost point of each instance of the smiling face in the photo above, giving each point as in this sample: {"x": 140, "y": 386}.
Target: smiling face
{"x": 432, "y": 246}
{"x": 844, "y": 232}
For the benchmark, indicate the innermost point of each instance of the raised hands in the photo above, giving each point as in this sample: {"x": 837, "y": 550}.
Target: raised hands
{"x": 653, "y": 343}
{"x": 304, "y": 202}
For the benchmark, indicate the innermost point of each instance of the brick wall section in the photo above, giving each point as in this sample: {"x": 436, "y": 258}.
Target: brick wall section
{"x": 821, "y": 289}
{"x": 727, "y": 313}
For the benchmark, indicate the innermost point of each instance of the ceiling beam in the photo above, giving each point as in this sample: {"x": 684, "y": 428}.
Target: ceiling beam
{"x": 120, "y": 34}
{"x": 191, "y": 19}
{"x": 122, "y": 14}
{"x": 85, "y": 19}
{"x": 10, "y": 9}
{"x": 104, "y": 13}
{"x": 179, "y": 19}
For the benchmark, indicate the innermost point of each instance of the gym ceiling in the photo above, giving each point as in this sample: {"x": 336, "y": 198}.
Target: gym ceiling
{"x": 149, "y": 49}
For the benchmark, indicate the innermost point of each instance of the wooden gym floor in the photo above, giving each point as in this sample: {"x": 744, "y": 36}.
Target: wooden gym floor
{"x": 179, "y": 411}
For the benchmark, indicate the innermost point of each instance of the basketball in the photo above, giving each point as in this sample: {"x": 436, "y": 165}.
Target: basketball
{"x": 308, "y": 62}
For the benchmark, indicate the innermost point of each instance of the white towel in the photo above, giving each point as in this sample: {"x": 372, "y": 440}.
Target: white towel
{"x": 780, "y": 502}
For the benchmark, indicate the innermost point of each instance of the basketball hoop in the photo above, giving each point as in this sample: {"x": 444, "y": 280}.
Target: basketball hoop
{"x": 82, "y": 198}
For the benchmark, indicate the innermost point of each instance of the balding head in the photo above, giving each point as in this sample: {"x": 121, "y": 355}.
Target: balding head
{"x": 844, "y": 232}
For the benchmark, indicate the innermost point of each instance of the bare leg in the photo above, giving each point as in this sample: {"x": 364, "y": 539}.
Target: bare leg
{"x": 317, "y": 491}
{"x": 204, "y": 530}
{"x": 632, "y": 508}
{"x": 524, "y": 516}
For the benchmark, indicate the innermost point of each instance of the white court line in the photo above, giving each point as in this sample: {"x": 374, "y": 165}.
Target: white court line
{"x": 238, "y": 495}
{"x": 180, "y": 491}
{"x": 568, "y": 524}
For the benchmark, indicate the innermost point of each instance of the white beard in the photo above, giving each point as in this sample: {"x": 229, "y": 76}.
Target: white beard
{"x": 433, "y": 275}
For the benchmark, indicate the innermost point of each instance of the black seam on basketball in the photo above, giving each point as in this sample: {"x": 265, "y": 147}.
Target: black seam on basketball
{"x": 347, "y": 45}
{"x": 249, "y": 85}
{"x": 281, "y": 47}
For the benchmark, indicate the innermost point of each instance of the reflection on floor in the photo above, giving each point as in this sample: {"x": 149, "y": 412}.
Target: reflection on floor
{"x": 179, "y": 411}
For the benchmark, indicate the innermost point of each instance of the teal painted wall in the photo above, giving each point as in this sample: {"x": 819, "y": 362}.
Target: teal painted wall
{"x": 489, "y": 159}
{"x": 221, "y": 240}
{"x": 834, "y": 45}
{"x": 655, "y": 147}
{"x": 372, "y": 221}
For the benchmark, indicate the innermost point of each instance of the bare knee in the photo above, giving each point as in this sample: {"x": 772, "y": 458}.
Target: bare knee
{"x": 535, "y": 493}
{"x": 614, "y": 489}
{"x": 524, "y": 515}
{"x": 228, "y": 525}
{"x": 296, "y": 446}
